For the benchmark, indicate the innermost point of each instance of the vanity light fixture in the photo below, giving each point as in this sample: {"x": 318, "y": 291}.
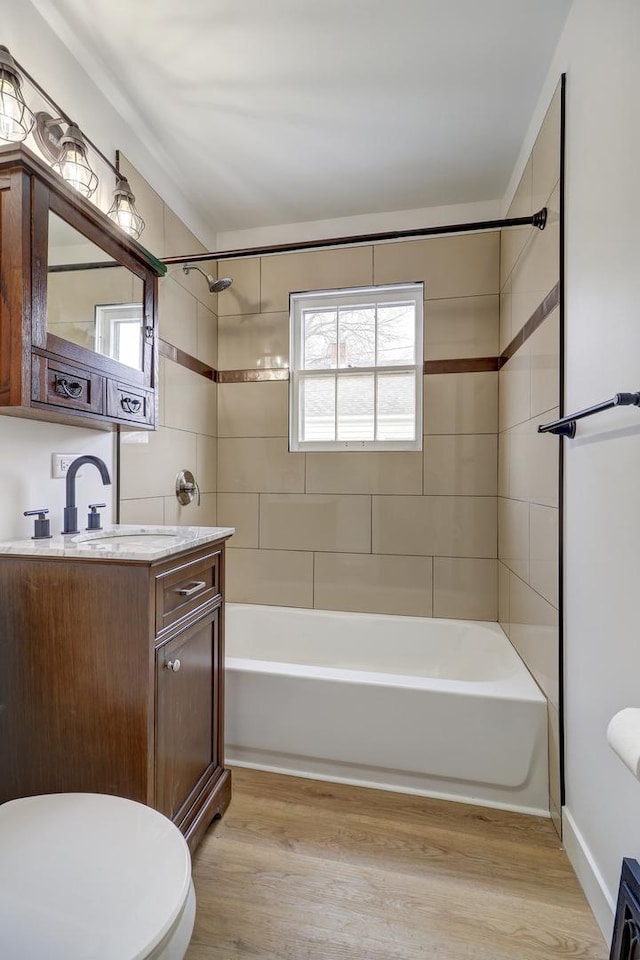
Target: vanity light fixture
{"x": 67, "y": 152}
{"x": 65, "y": 149}
{"x": 16, "y": 120}
{"x": 73, "y": 165}
{"x": 123, "y": 210}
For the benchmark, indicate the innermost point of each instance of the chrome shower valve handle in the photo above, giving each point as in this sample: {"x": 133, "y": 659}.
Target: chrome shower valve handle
{"x": 187, "y": 488}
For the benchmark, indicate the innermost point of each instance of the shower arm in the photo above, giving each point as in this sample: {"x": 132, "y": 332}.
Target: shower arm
{"x": 187, "y": 269}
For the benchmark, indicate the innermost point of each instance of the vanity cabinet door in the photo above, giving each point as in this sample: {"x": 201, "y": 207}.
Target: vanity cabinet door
{"x": 188, "y": 691}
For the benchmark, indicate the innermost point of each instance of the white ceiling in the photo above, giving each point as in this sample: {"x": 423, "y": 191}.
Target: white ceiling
{"x": 280, "y": 111}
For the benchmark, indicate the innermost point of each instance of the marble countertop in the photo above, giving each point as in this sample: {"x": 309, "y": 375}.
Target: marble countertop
{"x": 118, "y": 542}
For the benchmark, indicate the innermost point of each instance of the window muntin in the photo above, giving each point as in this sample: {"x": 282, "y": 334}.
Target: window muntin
{"x": 356, "y": 369}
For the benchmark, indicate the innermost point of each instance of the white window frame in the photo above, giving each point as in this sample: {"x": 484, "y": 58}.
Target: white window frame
{"x": 388, "y": 293}
{"x": 107, "y": 318}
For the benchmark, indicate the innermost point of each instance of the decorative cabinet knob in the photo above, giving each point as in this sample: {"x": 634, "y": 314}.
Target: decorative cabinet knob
{"x": 173, "y": 665}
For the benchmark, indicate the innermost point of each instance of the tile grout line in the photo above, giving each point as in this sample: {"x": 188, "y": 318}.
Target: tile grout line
{"x": 433, "y": 585}
{"x": 533, "y": 589}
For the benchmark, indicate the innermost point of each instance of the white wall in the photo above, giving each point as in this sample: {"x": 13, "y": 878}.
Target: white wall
{"x": 361, "y": 224}
{"x": 25, "y": 473}
{"x": 599, "y": 52}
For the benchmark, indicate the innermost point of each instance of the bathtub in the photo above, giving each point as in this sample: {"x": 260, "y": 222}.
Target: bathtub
{"x": 443, "y": 708}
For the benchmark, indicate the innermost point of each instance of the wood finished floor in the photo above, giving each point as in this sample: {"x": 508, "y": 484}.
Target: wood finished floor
{"x": 303, "y": 870}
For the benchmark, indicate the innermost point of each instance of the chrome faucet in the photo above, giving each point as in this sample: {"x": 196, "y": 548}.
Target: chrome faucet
{"x": 71, "y": 511}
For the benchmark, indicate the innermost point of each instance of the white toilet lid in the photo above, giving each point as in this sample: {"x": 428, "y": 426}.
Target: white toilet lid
{"x": 86, "y": 876}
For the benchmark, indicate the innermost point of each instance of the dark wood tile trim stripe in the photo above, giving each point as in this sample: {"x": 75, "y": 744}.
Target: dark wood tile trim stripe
{"x": 186, "y": 360}
{"x": 460, "y": 365}
{"x": 463, "y": 365}
{"x": 550, "y": 302}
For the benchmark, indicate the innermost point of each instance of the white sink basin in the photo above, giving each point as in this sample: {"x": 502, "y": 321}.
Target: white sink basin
{"x": 127, "y": 541}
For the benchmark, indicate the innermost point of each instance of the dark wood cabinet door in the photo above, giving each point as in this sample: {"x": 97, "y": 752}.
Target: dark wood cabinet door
{"x": 187, "y": 704}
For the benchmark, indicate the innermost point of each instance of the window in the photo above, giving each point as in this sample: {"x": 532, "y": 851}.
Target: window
{"x": 119, "y": 332}
{"x": 356, "y": 369}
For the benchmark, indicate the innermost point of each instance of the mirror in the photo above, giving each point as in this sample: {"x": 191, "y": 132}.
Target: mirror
{"x": 92, "y": 300}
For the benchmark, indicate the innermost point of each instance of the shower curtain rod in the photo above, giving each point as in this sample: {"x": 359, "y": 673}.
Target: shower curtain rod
{"x": 538, "y": 220}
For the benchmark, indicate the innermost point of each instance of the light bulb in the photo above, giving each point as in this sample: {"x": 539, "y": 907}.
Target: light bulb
{"x": 73, "y": 165}
{"x": 123, "y": 210}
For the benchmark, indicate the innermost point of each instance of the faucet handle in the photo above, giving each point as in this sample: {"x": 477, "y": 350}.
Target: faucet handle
{"x": 41, "y": 526}
{"x": 93, "y": 520}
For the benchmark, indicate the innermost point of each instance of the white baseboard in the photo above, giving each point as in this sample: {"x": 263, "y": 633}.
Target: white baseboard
{"x": 602, "y": 905}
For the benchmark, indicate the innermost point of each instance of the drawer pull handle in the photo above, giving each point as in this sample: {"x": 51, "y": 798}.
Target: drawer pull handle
{"x": 194, "y": 588}
{"x": 130, "y": 404}
{"x": 68, "y": 388}
{"x": 173, "y": 665}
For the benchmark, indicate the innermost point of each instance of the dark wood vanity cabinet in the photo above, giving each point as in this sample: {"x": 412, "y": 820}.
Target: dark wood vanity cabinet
{"x": 112, "y": 681}
{"x": 70, "y": 282}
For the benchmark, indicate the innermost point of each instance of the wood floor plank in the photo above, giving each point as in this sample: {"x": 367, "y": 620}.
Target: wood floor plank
{"x": 305, "y": 870}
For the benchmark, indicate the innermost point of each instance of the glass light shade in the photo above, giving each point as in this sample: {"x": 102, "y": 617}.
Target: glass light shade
{"x": 73, "y": 165}
{"x": 123, "y": 210}
{"x": 16, "y": 120}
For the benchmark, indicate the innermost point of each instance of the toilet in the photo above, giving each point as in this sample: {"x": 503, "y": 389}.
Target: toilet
{"x": 88, "y": 875}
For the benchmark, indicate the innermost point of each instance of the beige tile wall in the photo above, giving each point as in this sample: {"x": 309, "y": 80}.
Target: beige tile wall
{"x": 528, "y": 461}
{"x": 402, "y": 533}
{"x": 186, "y": 437}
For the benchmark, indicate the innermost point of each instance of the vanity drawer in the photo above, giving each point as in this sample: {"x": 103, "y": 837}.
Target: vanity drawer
{"x": 66, "y": 385}
{"x": 129, "y": 403}
{"x": 180, "y": 591}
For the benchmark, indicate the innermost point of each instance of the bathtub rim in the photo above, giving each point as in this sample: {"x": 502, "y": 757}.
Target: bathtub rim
{"x": 492, "y": 626}
{"x": 530, "y": 693}
{"x": 521, "y": 685}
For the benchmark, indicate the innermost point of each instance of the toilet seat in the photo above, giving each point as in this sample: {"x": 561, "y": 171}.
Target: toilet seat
{"x": 89, "y": 875}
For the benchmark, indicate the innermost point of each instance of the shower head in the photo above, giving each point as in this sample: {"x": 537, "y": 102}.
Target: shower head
{"x": 215, "y": 286}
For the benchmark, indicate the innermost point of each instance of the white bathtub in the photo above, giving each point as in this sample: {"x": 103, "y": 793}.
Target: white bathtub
{"x": 442, "y": 708}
